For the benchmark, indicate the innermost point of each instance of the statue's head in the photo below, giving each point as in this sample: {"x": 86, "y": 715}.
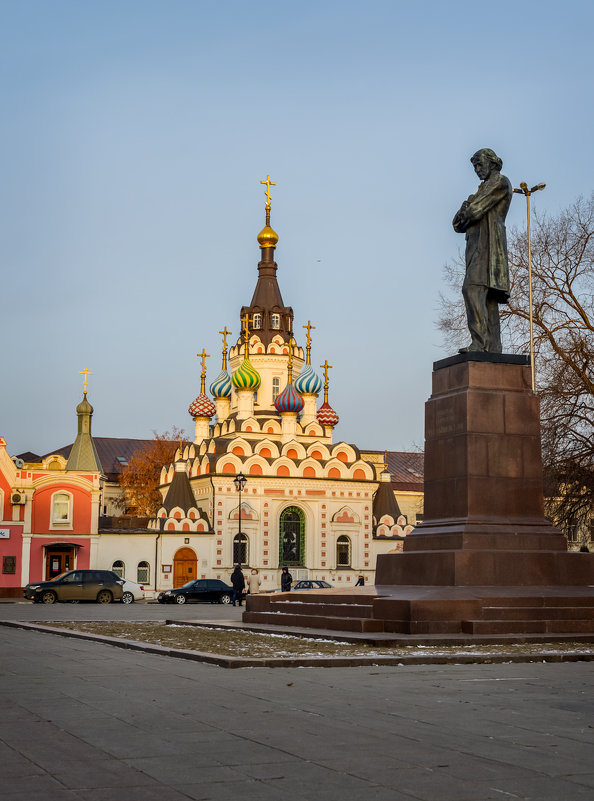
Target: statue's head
{"x": 486, "y": 161}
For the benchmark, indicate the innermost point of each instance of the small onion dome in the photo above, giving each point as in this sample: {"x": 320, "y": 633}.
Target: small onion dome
{"x": 246, "y": 377}
{"x": 327, "y": 416}
{"x": 84, "y": 407}
{"x": 202, "y": 407}
{"x": 289, "y": 400}
{"x": 221, "y": 386}
{"x": 308, "y": 382}
{"x": 267, "y": 237}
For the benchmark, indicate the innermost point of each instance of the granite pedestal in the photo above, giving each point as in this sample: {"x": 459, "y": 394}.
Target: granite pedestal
{"x": 485, "y": 560}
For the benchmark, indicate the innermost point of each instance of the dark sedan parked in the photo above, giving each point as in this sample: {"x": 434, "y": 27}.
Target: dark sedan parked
{"x": 206, "y": 590}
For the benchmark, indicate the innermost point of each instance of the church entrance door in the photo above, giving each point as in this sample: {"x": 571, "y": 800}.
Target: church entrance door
{"x": 184, "y": 567}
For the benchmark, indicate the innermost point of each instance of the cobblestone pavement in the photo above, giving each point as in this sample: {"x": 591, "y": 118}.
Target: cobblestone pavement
{"x": 83, "y": 720}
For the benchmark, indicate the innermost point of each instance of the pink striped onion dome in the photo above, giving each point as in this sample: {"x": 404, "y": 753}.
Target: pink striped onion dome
{"x": 289, "y": 400}
{"x": 326, "y": 415}
{"x": 202, "y": 407}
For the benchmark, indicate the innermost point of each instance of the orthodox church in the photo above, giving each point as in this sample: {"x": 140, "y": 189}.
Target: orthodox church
{"x": 263, "y": 483}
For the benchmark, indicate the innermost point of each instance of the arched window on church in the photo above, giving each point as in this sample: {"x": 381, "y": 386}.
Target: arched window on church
{"x": 240, "y": 549}
{"x": 343, "y": 552}
{"x": 143, "y": 573}
{"x": 257, "y": 321}
{"x": 119, "y": 568}
{"x": 275, "y": 321}
{"x": 292, "y": 537}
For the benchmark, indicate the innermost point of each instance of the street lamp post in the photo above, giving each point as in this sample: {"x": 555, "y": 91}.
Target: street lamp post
{"x": 240, "y": 482}
{"x": 523, "y": 190}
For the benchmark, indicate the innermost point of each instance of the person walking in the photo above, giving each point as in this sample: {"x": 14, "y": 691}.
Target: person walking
{"x": 286, "y": 579}
{"x": 238, "y": 583}
{"x": 254, "y": 581}
{"x": 360, "y": 582}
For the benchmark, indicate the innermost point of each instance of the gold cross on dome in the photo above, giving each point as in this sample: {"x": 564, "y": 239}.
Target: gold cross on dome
{"x": 268, "y": 183}
{"x": 290, "y": 362}
{"x": 85, "y": 372}
{"x": 203, "y": 356}
{"x": 309, "y": 328}
{"x": 325, "y": 367}
{"x": 225, "y": 334}
{"x": 246, "y": 331}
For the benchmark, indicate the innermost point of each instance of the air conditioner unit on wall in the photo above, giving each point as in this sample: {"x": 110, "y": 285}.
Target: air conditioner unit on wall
{"x": 17, "y": 498}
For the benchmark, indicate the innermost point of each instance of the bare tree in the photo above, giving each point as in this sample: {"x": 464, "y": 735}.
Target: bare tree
{"x": 563, "y": 316}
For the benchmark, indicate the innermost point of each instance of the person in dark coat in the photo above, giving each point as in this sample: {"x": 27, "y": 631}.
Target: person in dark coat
{"x": 286, "y": 579}
{"x": 238, "y": 583}
{"x": 360, "y": 582}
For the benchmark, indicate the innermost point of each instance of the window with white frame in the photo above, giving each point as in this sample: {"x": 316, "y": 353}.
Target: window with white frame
{"x": 276, "y": 320}
{"x": 275, "y": 388}
{"x": 343, "y": 552}
{"x": 119, "y": 568}
{"x": 143, "y": 573}
{"x": 257, "y": 321}
{"x": 61, "y": 508}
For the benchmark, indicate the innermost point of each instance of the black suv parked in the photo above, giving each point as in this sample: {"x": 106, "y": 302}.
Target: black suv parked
{"x": 102, "y": 586}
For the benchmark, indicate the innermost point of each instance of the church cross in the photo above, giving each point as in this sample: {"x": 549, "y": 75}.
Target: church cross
{"x": 325, "y": 367}
{"x": 268, "y": 183}
{"x": 290, "y": 362}
{"x": 85, "y": 372}
{"x": 246, "y": 334}
{"x": 309, "y": 328}
{"x": 203, "y": 356}
{"x": 225, "y": 334}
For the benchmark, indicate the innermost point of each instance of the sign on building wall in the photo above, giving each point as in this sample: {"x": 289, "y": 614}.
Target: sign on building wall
{"x": 4, "y": 533}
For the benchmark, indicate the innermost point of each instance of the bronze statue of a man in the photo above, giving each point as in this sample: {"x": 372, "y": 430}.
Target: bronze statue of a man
{"x": 486, "y": 283}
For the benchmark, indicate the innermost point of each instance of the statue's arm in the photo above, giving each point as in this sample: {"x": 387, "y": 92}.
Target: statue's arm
{"x": 494, "y": 191}
{"x": 460, "y": 221}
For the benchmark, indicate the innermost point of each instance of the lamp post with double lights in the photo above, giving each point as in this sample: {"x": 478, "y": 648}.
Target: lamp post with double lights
{"x": 240, "y": 481}
{"x": 523, "y": 190}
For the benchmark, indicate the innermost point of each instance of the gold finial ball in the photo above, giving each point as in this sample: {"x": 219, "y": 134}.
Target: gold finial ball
{"x": 267, "y": 237}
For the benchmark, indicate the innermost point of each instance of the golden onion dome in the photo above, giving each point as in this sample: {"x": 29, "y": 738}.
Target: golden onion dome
{"x": 267, "y": 237}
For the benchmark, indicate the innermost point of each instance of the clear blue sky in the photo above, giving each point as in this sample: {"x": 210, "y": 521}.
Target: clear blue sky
{"x": 134, "y": 138}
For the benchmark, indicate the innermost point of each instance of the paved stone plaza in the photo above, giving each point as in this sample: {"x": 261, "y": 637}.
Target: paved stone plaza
{"x": 83, "y": 720}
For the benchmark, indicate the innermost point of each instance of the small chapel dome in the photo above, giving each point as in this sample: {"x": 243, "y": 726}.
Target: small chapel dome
{"x": 308, "y": 382}
{"x": 246, "y": 377}
{"x": 267, "y": 237}
{"x": 289, "y": 400}
{"x": 221, "y": 386}
{"x": 327, "y": 416}
{"x": 84, "y": 407}
{"x": 202, "y": 407}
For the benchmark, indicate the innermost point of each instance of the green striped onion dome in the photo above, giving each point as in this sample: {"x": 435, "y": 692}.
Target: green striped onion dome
{"x": 308, "y": 382}
{"x": 246, "y": 377}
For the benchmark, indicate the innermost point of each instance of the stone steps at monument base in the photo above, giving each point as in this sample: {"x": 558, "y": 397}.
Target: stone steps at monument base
{"x": 322, "y": 609}
{"x": 528, "y": 626}
{"x": 356, "y": 624}
{"x": 583, "y": 612}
